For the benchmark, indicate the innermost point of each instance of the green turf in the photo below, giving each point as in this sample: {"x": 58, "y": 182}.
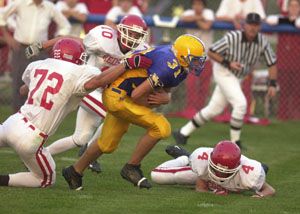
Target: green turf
{"x": 277, "y": 144}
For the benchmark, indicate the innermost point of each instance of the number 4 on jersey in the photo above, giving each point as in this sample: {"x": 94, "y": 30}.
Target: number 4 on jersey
{"x": 203, "y": 157}
{"x": 247, "y": 168}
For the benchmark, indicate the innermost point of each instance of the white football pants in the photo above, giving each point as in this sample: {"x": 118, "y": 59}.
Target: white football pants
{"x": 89, "y": 116}
{"x": 19, "y": 133}
{"x": 174, "y": 171}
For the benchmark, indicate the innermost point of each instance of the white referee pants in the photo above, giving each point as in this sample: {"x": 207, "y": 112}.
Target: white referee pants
{"x": 17, "y": 132}
{"x": 227, "y": 90}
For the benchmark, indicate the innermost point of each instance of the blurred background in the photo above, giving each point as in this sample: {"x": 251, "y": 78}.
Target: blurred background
{"x": 188, "y": 98}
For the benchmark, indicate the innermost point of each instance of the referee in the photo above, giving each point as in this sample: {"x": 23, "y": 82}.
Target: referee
{"x": 235, "y": 55}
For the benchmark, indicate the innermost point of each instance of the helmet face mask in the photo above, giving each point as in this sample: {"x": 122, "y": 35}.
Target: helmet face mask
{"x": 224, "y": 162}
{"x": 190, "y": 52}
{"x": 69, "y": 50}
{"x": 132, "y": 31}
{"x": 195, "y": 64}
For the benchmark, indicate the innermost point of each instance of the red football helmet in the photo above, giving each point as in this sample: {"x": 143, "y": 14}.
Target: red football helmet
{"x": 132, "y": 31}
{"x": 224, "y": 161}
{"x": 69, "y": 50}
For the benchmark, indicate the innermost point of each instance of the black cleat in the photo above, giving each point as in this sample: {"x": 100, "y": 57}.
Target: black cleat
{"x": 265, "y": 167}
{"x": 176, "y": 151}
{"x": 134, "y": 174}
{"x": 179, "y": 138}
{"x": 73, "y": 178}
{"x": 94, "y": 166}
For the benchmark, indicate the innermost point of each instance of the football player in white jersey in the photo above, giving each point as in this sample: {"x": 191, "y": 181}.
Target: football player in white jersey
{"x": 217, "y": 170}
{"x": 105, "y": 47}
{"x": 55, "y": 87}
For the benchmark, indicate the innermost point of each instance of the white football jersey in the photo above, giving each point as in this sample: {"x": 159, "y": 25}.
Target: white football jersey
{"x": 56, "y": 88}
{"x": 251, "y": 175}
{"x": 101, "y": 44}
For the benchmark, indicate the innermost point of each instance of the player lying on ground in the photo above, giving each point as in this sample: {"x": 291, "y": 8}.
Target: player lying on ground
{"x": 55, "y": 88}
{"x": 105, "y": 48}
{"x": 217, "y": 170}
{"x": 126, "y": 101}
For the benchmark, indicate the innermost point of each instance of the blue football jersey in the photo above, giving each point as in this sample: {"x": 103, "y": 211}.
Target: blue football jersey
{"x": 164, "y": 72}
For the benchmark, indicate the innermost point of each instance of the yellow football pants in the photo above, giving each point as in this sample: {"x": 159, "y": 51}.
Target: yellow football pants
{"x": 121, "y": 112}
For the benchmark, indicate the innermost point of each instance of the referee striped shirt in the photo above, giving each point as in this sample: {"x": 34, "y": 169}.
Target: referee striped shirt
{"x": 235, "y": 47}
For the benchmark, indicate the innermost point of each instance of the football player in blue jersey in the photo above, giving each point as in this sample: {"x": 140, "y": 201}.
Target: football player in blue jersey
{"x": 130, "y": 99}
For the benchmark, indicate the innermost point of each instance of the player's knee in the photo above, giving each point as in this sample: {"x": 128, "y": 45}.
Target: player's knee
{"x": 240, "y": 108}
{"x": 161, "y": 128}
{"x": 212, "y": 110}
{"x": 107, "y": 146}
{"x": 49, "y": 179}
{"x": 81, "y": 138}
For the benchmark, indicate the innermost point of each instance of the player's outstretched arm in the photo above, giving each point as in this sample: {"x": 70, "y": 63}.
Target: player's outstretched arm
{"x": 266, "y": 191}
{"x": 35, "y": 48}
{"x": 105, "y": 78}
{"x": 111, "y": 74}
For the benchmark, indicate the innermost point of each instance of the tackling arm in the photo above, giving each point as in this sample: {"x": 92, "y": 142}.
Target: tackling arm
{"x": 35, "y": 48}
{"x": 105, "y": 78}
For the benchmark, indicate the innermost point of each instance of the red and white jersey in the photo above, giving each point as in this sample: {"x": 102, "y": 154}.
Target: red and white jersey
{"x": 251, "y": 175}
{"x": 102, "y": 46}
{"x": 56, "y": 88}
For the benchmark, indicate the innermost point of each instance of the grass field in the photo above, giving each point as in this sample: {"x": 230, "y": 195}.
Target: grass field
{"x": 277, "y": 144}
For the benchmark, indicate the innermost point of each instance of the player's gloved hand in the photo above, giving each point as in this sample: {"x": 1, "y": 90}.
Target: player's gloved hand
{"x": 137, "y": 61}
{"x": 33, "y": 50}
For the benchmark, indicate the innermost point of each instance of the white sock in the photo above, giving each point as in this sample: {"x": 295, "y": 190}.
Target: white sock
{"x": 62, "y": 145}
{"x": 235, "y": 135}
{"x": 188, "y": 129}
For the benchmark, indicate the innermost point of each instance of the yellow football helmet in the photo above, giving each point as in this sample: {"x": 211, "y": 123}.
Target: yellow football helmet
{"x": 190, "y": 52}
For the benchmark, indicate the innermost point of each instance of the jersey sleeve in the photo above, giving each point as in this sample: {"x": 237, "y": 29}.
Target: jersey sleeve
{"x": 26, "y": 76}
{"x": 199, "y": 160}
{"x": 158, "y": 74}
{"x": 99, "y": 40}
{"x": 220, "y": 46}
{"x": 269, "y": 55}
{"x": 252, "y": 174}
{"x": 165, "y": 70}
{"x": 27, "y": 72}
{"x": 91, "y": 41}
{"x": 85, "y": 74}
